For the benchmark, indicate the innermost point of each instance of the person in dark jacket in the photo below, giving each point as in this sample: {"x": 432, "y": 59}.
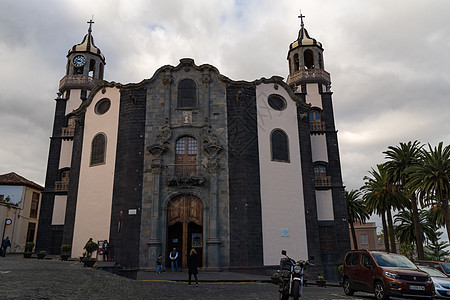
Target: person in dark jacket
{"x": 5, "y": 244}
{"x": 192, "y": 266}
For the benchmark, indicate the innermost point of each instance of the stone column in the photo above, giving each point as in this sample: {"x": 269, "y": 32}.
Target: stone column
{"x": 155, "y": 242}
{"x": 213, "y": 242}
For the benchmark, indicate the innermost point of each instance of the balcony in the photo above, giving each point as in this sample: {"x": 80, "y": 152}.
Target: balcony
{"x": 322, "y": 181}
{"x": 184, "y": 175}
{"x": 67, "y": 132}
{"x": 317, "y": 126}
{"x": 309, "y": 75}
{"x": 61, "y": 186}
{"x": 78, "y": 82}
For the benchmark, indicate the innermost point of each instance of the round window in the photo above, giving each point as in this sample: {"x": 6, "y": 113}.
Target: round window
{"x": 276, "y": 102}
{"x": 102, "y": 106}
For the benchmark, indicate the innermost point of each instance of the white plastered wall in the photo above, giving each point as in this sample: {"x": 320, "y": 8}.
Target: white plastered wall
{"x": 319, "y": 147}
{"x": 282, "y": 201}
{"x": 312, "y": 95}
{"x": 93, "y": 211}
{"x": 65, "y": 158}
{"x": 324, "y": 202}
{"x": 59, "y": 210}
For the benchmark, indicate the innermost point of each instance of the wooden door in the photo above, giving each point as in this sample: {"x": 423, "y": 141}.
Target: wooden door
{"x": 185, "y": 226}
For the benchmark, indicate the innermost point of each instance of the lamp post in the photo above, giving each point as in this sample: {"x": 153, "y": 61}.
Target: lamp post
{"x": 7, "y": 222}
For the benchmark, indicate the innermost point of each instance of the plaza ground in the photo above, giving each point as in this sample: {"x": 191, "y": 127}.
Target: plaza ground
{"x": 55, "y": 279}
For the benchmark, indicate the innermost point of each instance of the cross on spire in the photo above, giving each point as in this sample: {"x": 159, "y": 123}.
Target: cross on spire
{"x": 90, "y": 22}
{"x": 301, "y": 18}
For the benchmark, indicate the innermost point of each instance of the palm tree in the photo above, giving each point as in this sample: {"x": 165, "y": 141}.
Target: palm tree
{"x": 381, "y": 199}
{"x": 405, "y": 227}
{"x": 431, "y": 177}
{"x": 356, "y": 211}
{"x": 400, "y": 159}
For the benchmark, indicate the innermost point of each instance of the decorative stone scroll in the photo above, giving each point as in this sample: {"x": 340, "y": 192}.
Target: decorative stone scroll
{"x": 159, "y": 147}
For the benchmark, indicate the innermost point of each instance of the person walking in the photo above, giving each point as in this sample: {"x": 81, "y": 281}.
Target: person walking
{"x": 159, "y": 263}
{"x": 193, "y": 266}
{"x": 174, "y": 260}
{"x": 5, "y": 244}
{"x": 105, "y": 250}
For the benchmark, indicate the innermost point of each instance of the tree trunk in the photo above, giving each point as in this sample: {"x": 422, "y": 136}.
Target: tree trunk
{"x": 355, "y": 242}
{"x": 391, "y": 231}
{"x": 385, "y": 232}
{"x": 417, "y": 229}
{"x": 446, "y": 215}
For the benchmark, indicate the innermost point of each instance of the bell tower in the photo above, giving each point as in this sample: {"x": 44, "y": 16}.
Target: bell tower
{"x": 326, "y": 220}
{"x": 84, "y": 69}
{"x": 85, "y": 65}
{"x": 305, "y": 59}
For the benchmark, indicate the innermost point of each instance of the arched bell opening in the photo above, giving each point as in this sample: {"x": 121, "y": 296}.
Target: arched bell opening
{"x": 184, "y": 228}
{"x": 309, "y": 59}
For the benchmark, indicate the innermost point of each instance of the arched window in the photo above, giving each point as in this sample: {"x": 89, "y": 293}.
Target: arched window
{"x": 320, "y": 171}
{"x": 309, "y": 59}
{"x": 98, "y": 149}
{"x": 280, "y": 146}
{"x": 187, "y": 94}
{"x": 296, "y": 62}
{"x": 315, "y": 115}
{"x": 186, "y": 156}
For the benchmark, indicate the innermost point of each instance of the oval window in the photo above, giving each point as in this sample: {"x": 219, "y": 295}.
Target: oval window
{"x": 276, "y": 102}
{"x": 102, "y": 106}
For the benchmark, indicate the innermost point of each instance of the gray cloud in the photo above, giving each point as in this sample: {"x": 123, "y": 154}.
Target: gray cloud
{"x": 388, "y": 63}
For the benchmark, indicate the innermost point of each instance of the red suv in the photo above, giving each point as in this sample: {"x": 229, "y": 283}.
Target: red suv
{"x": 384, "y": 274}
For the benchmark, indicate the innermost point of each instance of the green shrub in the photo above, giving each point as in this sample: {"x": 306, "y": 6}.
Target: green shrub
{"x": 66, "y": 248}
{"x": 29, "y": 246}
{"x": 90, "y": 247}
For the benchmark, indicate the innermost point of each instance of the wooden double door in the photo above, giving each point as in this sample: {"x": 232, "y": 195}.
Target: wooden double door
{"x": 184, "y": 228}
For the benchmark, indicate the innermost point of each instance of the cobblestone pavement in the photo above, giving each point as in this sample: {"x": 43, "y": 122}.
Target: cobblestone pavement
{"x": 54, "y": 279}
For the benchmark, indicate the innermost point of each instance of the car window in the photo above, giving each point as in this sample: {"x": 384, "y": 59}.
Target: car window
{"x": 348, "y": 259}
{"x": 432, "y": 272}
{"x": 393, "y": 260}
{"x": 355, "y": 258}
{"x": 446, "y": 267}
{"x": 366, "y": 261}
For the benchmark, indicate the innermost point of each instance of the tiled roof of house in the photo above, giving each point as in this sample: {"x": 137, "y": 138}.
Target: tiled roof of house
{"x": 14, "y": 179}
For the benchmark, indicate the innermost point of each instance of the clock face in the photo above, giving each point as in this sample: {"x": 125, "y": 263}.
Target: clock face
{"x": 79, "y": 60}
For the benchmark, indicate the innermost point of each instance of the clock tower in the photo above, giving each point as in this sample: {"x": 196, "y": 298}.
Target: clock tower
{"x": 84, "y": 69}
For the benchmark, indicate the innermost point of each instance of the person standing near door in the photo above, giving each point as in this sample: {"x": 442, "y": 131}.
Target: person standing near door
{"x": 174, "y": 260}
{"x": 192, "y": 266}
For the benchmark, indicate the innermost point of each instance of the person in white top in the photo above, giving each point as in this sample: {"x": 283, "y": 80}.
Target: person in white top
{"x": 174, "y": 260}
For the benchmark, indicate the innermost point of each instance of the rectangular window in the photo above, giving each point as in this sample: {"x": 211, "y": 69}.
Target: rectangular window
{"x": 363, "y": 239}
{"x": 34, "y": 205}
{"x": 326, "y": 238}
{"x": 30, "y": 232}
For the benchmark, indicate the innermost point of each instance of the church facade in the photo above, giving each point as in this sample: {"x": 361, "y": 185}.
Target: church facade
{"x": 190, "y": 158}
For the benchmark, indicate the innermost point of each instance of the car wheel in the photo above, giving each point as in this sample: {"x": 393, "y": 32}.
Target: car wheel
{"x": 347, "y": 290}
{"x": 380, "y": 293}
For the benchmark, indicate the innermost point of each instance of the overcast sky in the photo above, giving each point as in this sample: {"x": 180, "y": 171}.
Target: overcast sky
{"x": 389, "y": 63}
